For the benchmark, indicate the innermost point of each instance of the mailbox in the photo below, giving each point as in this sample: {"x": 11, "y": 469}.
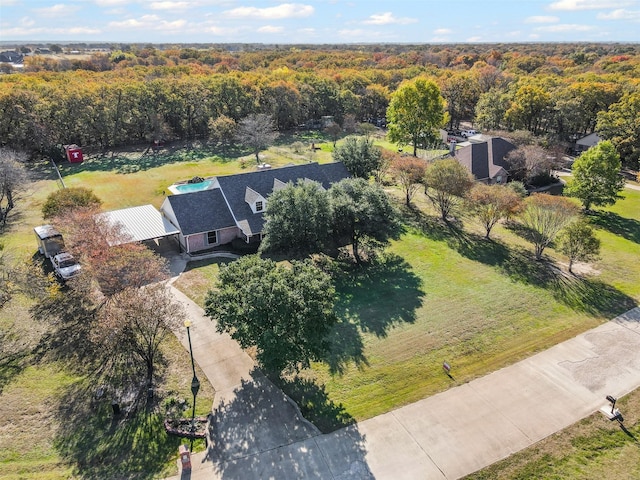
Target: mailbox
{"x": 185, "y": 457}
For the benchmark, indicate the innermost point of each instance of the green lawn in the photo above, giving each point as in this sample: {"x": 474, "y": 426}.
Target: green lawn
{"x": 592, "y": 448}
{"x": 478, "y": 305}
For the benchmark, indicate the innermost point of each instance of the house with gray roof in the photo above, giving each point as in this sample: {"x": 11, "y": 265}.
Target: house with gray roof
{"x": 485, "y": 158}
{"x": 233, "y": 206}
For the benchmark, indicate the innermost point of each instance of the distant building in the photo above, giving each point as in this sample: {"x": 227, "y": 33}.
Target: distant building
{"x": 485, "y": 158}
{"x": 585, "y": 143}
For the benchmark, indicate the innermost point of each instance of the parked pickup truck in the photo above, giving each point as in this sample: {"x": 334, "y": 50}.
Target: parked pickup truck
{"x": 65, "y": 265}
{"x": 468, "y": 133}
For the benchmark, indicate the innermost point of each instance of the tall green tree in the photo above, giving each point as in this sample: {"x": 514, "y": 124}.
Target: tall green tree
{"x": 415, "y": 111}
{"x": 362, "y": 214}
{"x": 13, "y": 179}
{"x": 447, "y": 181}
{"x": 578, "y": 242}
{"x": 596, "y": 176}
{"x": 620, "y": 125}
{"x": 361, "y": 157}
{"x": 285, "y": 312}
{"x": 298, "y": 219}
{"x": 543, "y": 216}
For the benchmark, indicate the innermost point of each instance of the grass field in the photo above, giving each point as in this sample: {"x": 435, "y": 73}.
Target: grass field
{"x": 447, "y": 294}
{"x": 437, "y": 294}
{"x": 592, "y": 448}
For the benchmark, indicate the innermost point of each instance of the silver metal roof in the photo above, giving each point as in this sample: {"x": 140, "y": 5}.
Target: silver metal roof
{"x": 140, "y": 223}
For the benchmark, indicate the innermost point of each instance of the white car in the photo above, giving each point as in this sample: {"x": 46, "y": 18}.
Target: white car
{"x": 468, "y": 133}
{"x": 65, "y": 265}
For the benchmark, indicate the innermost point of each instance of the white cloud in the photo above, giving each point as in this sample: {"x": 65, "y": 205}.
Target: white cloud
{"x": 148, "y": 22}
{"x": 307, "y": 31}
{"x": 57, "y": 10}
{"x": 27, "y": 22}
{"x": 111, "y": 3}
{"x": 387, "y": 18}
{"x": 59, "y": 32}
{"x": 353, "y": 33}
{"x": 474, "y": 39}
{"x": 270, "y": 29}
{"x": 620, "y": 14}
{"x": 169, "y": 5}
{"x": 565, "y": 27}
{"x": 442, "y": 31}
{"x": 541, "y": 19}
{"x": 286, "y": 10}
{"x": 572, "y": 5}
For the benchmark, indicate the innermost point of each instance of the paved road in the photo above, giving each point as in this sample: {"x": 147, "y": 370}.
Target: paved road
{"x": 256, "y": 433}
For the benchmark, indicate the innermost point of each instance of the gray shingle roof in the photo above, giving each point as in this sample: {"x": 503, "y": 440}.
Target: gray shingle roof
{"x": 262, "y": 182}
{"x": 207, "y": 210}
{"x": 485, "y": 160}
{"x": 199, "y": 212}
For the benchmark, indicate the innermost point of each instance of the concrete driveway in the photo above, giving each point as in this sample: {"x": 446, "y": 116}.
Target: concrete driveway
{"x": 257, "y": 433}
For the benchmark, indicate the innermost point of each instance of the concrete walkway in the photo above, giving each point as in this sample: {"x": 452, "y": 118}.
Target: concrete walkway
{"x": 257, "y": 433}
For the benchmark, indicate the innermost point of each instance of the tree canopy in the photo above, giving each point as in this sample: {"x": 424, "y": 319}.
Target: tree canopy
{"x": 58, "y": 202}
{"x": 298, "y": 219}
{"x": 415, "y": 112}
{"x": 362, "y": 213}
{"x": 447, "y": 181}
{"x": 620, "y": 125}
{"x": 596, "y": 176}
{"x": 578, "y": 242}
{"x": 544, "y": 216}
{"x": 361, "y": 157}
{"x": 491, "y": 203}
{"x": 285, "y": 312}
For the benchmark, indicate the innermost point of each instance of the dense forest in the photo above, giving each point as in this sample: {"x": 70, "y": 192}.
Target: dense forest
{"x": 141, "y": 93}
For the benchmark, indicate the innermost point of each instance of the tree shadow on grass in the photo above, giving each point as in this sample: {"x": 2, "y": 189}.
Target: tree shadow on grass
{"x": 137, "y": 158}
{"x": 13, "y": 358}
{"x": 625, "y": 227}
{"x": 379, "y": 295}
{"x": 582, "y": 294}
{"x": 102, "y": 445}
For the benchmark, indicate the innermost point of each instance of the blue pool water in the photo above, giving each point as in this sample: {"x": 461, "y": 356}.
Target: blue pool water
{"x": 191, "y": 187}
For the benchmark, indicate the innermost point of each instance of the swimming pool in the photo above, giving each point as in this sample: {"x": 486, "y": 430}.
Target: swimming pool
{"x": 190, "y": 187}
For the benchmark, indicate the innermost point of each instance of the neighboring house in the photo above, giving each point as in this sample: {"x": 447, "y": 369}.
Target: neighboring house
{"x": 234, "y": 205}
{"x": 585, "y": 143}
{"x": 485, "y": 157}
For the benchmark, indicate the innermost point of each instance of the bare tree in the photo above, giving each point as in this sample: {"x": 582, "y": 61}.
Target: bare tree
{"x": 256, "y": 131}
{"x": 13, "y": 177}
{"x": 544, "y": 216}
{"x": 528, "y": 161}
{"x": 136, "y": 321}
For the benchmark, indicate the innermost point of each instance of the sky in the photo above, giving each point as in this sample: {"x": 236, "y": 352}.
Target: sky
{"x": 319, "y": 21}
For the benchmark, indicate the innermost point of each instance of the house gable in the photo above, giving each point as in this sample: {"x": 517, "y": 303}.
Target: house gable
{"x": 486, "y": 160}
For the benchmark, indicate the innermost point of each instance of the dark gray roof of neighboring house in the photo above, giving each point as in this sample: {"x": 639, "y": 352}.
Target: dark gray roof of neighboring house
{"x": 262, "y": 182}
{"x": 199, "y": 212}
{"x": 485, "y": 160}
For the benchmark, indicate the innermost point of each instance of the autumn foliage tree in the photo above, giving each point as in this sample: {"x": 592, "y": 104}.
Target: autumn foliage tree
{"x": 447, "y": 181}
{"x": 409, "y": 175}
{"x": 492, "y": 203}
{"x": 543, "y": 217}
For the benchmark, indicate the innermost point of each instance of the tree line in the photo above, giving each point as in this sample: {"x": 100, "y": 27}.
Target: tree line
{"x": 561, "y": 95}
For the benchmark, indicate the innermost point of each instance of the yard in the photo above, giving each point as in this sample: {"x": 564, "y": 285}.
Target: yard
{"x": 438, "y": 294}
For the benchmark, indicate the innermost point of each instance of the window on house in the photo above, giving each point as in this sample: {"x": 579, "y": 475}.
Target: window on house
{"x": 259, "y": 206}
{"x": 212, "y": 237}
